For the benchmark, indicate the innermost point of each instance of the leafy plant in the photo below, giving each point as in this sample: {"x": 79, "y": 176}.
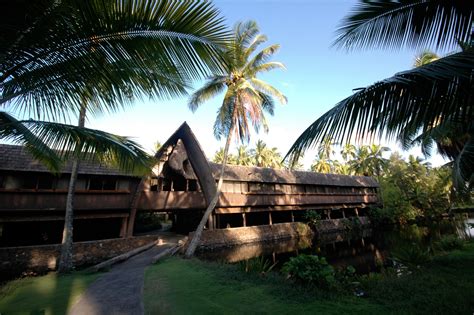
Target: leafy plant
{"x": 313, "y": 218}
{"x": 449, "y": 242}
{"x": 412, "y": 257}
{"x": 259, "y": 265}
{"x": 311, "y": 270}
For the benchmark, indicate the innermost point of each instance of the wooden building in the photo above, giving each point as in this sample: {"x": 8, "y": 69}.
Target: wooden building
{"x": 185, "y": 182}
{"x": 32, "y": 200}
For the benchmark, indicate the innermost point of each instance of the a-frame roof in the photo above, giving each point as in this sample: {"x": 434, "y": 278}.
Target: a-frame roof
{"x": 196, "y": 157}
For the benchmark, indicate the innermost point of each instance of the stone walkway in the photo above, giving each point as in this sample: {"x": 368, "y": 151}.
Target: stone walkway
{"x": 120, "y": 290}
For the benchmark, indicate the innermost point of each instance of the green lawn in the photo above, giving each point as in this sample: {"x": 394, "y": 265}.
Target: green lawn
{"x": 49, "y": 294}
{"x": 177, "y": 286}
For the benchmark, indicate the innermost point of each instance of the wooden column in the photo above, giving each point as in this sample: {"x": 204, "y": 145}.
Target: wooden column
{"x": 343, "y": 213}
{"x": 270, "y": 222}
{"x": 211, "y": 222}
{"x": 329, "y": 214}
{"x": 123, "y": 228}
{"x": 244, "y": 220}
{"x": 356, "y": 210}
{"x": 292, "y": 217}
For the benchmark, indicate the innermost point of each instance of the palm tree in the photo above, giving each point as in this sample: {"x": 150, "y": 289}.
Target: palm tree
{"x": 219, "y": 157}
{"x": 246, "y": 97}
{"x": 243, "y": 156}
{"x": 71, "y": 55}
{"x": 369, "y": 160}
{"x": 437, "y": 93}
{"x": 322, "y": 165}
{"x": 259, "y": 154}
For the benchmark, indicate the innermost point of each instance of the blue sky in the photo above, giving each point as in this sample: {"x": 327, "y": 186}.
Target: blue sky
{"x": 317, "y": 76}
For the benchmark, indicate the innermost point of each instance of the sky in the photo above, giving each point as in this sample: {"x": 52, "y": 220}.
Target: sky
{"x": 317, "y": 77}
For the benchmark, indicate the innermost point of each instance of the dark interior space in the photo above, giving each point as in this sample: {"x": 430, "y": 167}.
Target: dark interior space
{"x": 230, "y": 220}
{"x": 281, "y": 216}
{"x": 50, "y": 232}
{"x": 185, "y": 221}
{"x": 257, "y": 218}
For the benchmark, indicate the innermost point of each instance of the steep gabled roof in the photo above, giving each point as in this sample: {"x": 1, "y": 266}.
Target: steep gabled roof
{"x": 17, "y": 158}
{"x": 275, "y": 176}
{"x": 196, "y": 157}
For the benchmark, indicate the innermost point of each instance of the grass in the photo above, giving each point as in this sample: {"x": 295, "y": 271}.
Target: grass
{"x": 49, "y": 294}
{"x": 177, "y": 286}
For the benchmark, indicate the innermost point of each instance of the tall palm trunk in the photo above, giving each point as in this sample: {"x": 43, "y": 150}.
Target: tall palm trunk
{"x": 66, "y": 263}
{"x": 197, "y": 234}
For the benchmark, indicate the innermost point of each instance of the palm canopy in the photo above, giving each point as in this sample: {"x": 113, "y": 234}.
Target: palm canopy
{"x": 414, "y": 101}
{"x": 56, "y": 54}
{"x": 396, "y": 23}
{"x": 246, "y": 97}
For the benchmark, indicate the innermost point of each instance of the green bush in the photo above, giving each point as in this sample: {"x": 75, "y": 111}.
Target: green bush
{"x": 413, "y": 257}
{"x": 311, "y": 270}
{"x": 449, "y": 242}
{"x": 313, "y": 218}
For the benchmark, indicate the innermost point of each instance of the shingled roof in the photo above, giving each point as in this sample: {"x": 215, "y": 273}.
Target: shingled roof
{"x": 270, "y": 175}
{"x": 17, "y": 158}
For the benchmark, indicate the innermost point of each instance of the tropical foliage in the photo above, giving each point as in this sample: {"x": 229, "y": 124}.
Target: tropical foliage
{"x": 246, "y": 98}
{"x": 56, "y": 55}
{"x": 63, "y": 57}
{"x": 414, "y": 101}
{"x": 261, "y": 156}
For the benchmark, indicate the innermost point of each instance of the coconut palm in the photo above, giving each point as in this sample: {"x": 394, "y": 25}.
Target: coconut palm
{"x": 68, "y": 56}
{"x": 322, "y": 165}
{"x": 243, "y": 156}
{"x": 437, "y": 93}
{"x": 369, "y": 160}
{"x": 219, "y": 157}
{"x": 246, "y": 97}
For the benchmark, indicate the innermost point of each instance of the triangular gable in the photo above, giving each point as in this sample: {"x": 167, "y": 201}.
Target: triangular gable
{"x": 196, "y": 157}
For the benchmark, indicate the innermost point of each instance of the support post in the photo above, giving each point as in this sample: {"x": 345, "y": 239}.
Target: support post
{"x": 270, "y": 222}
{"x": 356, "y": 210}
{"x": 292, "y": 217}
{"x": 211, "y": 222}
{"x": 244, "y": 220}
{"x": 343, "y": 213}
{"x": 123, "y": 228}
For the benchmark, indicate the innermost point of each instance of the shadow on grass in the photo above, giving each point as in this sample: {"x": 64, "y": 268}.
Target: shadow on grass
{"x": 49, "y": 294}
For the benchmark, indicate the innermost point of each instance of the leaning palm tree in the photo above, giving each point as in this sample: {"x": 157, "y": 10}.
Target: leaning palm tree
{"x": 68, "y": 56}
{"x": 246, "y": 97}
{"x": 437, "y": 93}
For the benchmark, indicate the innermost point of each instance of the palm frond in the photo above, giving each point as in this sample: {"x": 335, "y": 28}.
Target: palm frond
{"x": 415, "y": 23}
{"x": 463, "y": 168}
{"x": 213, "y": 87}
{"x": 266, "y": 88}
{"x": 134, "y": 46}
{"x": 262, "y": 57}
{"x": 14, "y": 130}
{"x": 416, "y": 99}
{"x": 53, "y": 143}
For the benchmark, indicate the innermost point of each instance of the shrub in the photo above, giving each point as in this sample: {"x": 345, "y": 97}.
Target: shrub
{"x": 313, "y": 218}
{"x": 412, "y": 257}
{"x": 449, "y": 242}
{"x": 311, "y": 270}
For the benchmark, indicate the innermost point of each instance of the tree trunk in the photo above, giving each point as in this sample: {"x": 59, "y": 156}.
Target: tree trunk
{"x": 197, "y": 234}
{"x": 66, "y": 263}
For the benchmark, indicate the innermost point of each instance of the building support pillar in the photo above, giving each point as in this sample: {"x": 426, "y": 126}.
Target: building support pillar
{"x": 270, "y": 221}
{"x": 211, "y": 222}
{"x": 292, "y": 216}
{"x": 244, "y": 220}
{"x": 123, "y": 228}
{"x": 356, "y": 210}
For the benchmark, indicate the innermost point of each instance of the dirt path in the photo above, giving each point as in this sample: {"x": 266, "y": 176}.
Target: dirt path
{"x": 120, "y": 290}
